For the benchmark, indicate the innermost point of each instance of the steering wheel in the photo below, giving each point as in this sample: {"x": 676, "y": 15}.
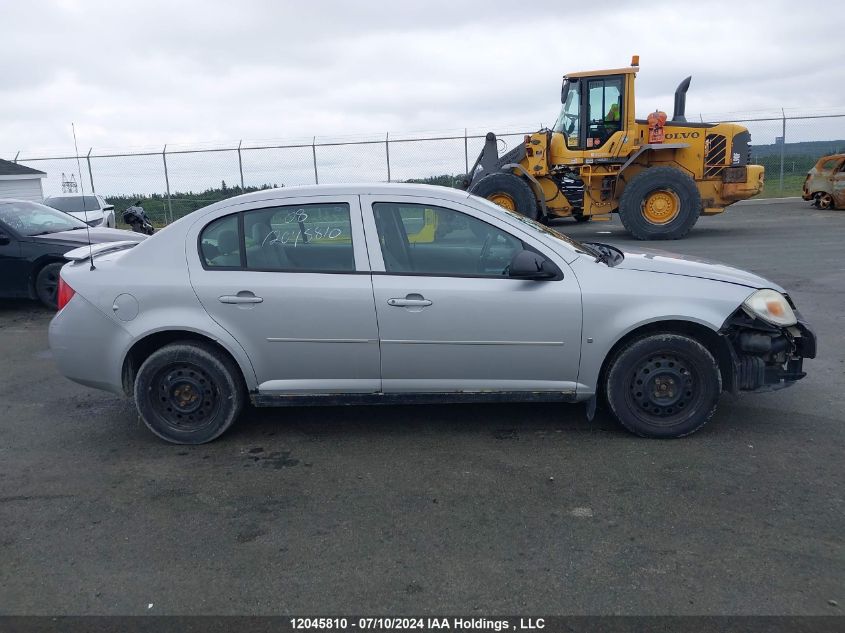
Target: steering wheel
{"x": 573, "y": 119}
{"x": 485, "y": 251}
{"x": 492, "y": 236}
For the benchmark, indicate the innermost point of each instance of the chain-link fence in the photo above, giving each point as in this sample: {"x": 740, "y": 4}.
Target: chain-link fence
{"x": 175, "y": 181}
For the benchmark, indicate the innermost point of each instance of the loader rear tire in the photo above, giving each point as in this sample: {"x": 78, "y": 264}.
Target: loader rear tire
{"x": 508, "y": 191}
{"x": 660, "y": 203}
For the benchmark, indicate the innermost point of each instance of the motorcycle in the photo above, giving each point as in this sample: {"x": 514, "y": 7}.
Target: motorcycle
{"x": 136, "y": 217}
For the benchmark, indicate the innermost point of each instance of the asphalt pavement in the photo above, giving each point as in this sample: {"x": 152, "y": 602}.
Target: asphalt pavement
{"x": 471, "y": 509}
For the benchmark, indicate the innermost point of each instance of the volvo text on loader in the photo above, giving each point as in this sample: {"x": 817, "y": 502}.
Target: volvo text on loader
{"x": 659, "y": 175}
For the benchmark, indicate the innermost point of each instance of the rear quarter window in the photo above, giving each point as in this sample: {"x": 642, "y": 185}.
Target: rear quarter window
{"x": 220, "y": 243}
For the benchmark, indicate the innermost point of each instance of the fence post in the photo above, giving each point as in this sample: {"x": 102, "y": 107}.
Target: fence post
{"x": 314, "y": 154}
{"x": 387, "y": 152}
{"x": 782, "y": 147}
{"x": 167, "y": 184}
{"x": 90, "y": 173}
{"x": 466, "y": 153}
{"x": 241, "y": 164}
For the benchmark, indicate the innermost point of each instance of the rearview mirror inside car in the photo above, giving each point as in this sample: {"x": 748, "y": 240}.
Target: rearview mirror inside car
{"x": 530, "y": 265}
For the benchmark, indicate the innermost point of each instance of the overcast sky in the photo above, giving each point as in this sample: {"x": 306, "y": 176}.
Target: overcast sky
{"x": 145, "y": 73}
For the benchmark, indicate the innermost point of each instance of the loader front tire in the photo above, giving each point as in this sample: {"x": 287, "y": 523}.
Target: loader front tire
{"x": 508, "y": 191}
{"x": 660, "y": 203}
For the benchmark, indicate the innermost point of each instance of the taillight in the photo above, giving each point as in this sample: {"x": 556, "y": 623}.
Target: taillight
{"x": 65, "y": 293}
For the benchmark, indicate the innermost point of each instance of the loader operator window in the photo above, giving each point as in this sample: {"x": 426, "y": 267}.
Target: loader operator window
{"x": 605, "y": 110}
{"x": 569, "y": 121}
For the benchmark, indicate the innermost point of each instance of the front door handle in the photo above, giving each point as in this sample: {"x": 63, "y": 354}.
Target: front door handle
{"x": 411, "y": 300}
{"x": 244, "y": 296}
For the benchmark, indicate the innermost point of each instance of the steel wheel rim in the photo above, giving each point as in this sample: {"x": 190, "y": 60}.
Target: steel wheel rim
{"x": 185, "y": 397}
{"x": 662, "y": 388}
{"x": 504, "y": 200}
{"x": 661, "y": 207}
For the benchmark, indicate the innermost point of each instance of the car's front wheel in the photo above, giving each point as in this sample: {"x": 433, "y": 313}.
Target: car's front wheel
{"x": 663, "y": 385}
{"x": 189, "y": 392}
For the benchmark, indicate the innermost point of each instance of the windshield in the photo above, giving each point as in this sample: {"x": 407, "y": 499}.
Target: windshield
{"x": 31, "y": 218}
{"x": 541, "y": 228}
{"x": 73, "y": 204}
{"x": 570, "y": 114}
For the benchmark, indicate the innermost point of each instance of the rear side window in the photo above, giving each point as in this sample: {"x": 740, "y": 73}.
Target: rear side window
{"x": 220, "y": 243}
{"x": 300, "y": 238}
{"x": 830, "y": 164}
{"x": 73, "y": 204}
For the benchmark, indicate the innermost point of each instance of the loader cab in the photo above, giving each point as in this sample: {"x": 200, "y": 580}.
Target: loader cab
{"x": 595, "y": 108}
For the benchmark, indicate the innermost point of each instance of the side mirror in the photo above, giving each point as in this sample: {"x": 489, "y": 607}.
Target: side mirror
{"x": 108, "y": 207}
{"x": 4, "y": 239}
{"x": 530, "y": 265}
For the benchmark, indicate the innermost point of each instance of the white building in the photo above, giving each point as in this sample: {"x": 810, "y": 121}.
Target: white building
{"x": 21, "y": 182}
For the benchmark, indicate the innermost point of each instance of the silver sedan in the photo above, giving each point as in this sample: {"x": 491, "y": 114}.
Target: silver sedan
{"x": 411, "y": 294}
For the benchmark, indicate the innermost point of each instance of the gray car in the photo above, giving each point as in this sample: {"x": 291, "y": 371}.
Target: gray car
{"x": 411, "y": 294}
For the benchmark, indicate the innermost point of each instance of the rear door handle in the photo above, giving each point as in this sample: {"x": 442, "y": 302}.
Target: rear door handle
{"x": 412, "y": 300}
{"x": 244, "y": 296}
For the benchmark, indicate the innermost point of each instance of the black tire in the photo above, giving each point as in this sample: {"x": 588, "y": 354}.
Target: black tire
{"x": 663, "y": 386}
{"x": 47, "y": 284}
{"x": 652, "y": 180}
{"x": 189, "y": 392}
{"x": 512, "y": 187}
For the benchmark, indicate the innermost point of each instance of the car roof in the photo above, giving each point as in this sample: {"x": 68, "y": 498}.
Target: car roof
{"x": 71, "y": 195}
{"x": 349, "y": 189}
{"x": 8, "y": 200}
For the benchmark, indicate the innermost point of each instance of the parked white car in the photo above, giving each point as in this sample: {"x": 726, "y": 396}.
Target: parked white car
{"x": 91, "y": 209}
{"x": 411, "y": 293}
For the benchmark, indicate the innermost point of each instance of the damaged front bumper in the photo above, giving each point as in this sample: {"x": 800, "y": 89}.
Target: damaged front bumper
{"x": 767, "y": 357}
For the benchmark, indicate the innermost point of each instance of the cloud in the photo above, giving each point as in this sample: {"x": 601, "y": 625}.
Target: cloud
{"x": 133, "y": 74}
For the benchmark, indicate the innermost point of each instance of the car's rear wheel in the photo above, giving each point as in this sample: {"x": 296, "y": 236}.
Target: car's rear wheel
{"x": 663, "y": 386}
{"x": 47, "y": 284}
{"x": 189, "y": 392}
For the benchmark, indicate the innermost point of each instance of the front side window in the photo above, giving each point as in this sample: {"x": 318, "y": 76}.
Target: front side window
{"x": 605, "y": 113}
{"x": 425, "y": 239}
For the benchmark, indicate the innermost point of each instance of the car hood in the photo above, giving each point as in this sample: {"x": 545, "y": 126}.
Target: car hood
{"x": 657, "y": 261}
{"x": 98, "y": 236}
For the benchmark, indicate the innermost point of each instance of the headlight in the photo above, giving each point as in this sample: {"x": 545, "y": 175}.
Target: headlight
{"x": 771, "y": 306}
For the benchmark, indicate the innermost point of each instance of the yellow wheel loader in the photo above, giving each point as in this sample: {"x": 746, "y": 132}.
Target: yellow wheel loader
{"x": 659, "y": 175}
